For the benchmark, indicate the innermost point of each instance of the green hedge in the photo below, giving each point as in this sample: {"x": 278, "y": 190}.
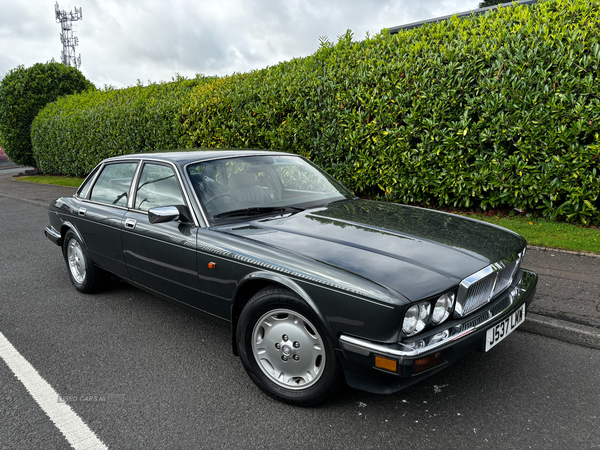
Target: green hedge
{"x": 72, "y": 135}
{"x": 498, "y": 110}
{"x": 23, "y": 93}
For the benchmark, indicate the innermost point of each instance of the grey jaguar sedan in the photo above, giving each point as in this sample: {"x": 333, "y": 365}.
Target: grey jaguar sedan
{"x": 317, "y": 285}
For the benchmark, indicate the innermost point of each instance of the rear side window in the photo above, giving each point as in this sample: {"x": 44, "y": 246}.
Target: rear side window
{"x": 158, "y": 186}
{"x": 113, "y": 184}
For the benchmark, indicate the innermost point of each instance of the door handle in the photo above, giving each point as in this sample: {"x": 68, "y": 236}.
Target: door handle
{"x": 130, "y": 223}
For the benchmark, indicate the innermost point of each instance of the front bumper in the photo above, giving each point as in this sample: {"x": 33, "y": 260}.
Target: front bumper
{"x": 448, "y": 344}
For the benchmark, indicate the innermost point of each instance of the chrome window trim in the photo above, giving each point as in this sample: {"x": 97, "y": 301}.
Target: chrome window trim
{"x": 94, "y": 202}
{"x": 100, "y": 170}
{"x": 175, "y": 168}
{"x": 133, "y": 188}
{"x": 189, "y": 180}
{"x": 134, "y": 182}
{"x": 94, "y": 176}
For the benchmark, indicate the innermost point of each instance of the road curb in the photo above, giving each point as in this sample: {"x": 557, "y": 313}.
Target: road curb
{"x": 562, "y": 330}
{"x": 560, "y": 250}
{"x": 8, "y": 167}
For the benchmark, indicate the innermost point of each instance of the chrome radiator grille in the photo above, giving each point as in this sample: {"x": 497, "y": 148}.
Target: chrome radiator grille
{"x": 481, "y": 287}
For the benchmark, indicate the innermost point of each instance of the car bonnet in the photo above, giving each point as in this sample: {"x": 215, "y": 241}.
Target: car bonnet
{"x": 414, "y": 251}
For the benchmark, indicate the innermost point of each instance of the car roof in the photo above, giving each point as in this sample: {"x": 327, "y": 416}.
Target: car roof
{"x": 186, "y": 156}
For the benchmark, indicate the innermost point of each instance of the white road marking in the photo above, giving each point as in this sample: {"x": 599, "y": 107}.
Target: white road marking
{"x": 70, "y": 424}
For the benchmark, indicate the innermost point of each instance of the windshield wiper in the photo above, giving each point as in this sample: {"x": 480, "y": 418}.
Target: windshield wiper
{"x": 250, "y": 211}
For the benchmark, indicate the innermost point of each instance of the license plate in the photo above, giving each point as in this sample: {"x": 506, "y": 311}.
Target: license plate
{"x": 498, "y": 332}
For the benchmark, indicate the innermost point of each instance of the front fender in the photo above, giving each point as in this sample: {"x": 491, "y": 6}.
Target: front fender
{"x": 261, "y": 279}
{"x": 338, "y": 312}
{"x": 276, "y": 278}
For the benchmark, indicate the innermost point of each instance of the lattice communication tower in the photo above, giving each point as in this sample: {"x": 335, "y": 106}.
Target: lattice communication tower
{"x": 69, "y": 42}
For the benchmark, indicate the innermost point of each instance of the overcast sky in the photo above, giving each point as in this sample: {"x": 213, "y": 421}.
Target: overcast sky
{"x": 123, "y": 41}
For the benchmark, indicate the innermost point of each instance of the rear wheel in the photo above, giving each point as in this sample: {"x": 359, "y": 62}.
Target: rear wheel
{"x": 85, "y": 276}
{"x": 285, "y": 350}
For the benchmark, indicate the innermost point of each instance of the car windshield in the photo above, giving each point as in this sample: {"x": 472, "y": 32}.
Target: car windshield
{"x": 235, "y": 188}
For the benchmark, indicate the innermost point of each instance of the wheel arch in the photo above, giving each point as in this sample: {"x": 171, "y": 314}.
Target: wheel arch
{"x": 257, "y": 281}
{"x": 68, "y": 226}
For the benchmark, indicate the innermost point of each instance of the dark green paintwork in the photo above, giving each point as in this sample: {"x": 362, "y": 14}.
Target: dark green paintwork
{"x": 357, "y": 263}
{"x": 416, "y": 252}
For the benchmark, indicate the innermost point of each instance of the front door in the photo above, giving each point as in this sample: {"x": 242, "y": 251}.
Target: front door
{"x": 160, "y": 256}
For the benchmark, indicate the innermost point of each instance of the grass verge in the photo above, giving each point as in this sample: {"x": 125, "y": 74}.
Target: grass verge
{"x": 52, "y": 179}
{"x": 548, "y": 233}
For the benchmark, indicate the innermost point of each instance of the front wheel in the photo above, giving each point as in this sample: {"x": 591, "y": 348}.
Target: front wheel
{"x": 85, "y": 276}
{"x": 285, "y": 350}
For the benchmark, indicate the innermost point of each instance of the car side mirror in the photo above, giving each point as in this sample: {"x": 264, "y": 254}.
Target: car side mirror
{"x": 168, "y": 213}
{"x": 163, "y": 214}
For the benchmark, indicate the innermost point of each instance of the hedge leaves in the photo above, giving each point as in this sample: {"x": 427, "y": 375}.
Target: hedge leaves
{"x": 497, "y": 110}
{"x": 23, "y": 93}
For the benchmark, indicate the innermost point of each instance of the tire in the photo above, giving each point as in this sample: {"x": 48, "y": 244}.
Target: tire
{"x": 285, "y": 349}
{"x": 85, "y": 276}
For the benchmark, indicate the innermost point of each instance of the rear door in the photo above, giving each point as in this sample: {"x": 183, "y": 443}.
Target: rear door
{"x": 101, "y": 213}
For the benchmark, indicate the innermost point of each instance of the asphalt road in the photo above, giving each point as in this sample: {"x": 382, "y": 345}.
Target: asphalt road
{"x": 568, "y": 288}
{"x": 143, "y": 373}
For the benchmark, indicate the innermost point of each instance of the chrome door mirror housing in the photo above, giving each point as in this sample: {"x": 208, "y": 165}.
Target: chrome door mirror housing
{"x": 163, "y": 214}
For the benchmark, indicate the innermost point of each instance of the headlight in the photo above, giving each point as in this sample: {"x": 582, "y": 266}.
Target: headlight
{"x": 416, "y": 318}
{"x": 442, "y": 308}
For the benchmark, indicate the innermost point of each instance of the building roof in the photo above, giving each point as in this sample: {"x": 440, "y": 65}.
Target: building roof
{"x": 474, "y": 12}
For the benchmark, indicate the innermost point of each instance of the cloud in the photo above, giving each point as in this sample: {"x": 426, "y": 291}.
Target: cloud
{"x": 121, "y": 42}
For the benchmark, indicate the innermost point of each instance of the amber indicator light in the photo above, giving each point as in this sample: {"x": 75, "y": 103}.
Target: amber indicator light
{"x": 386, "y": 364}
{"x": 212, "y": 265}
{"x": 428, "y": 362}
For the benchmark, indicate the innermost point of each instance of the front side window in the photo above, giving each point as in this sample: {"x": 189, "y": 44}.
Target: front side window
{"x": 158, "y": 186}
{"x": 113, "y": 184}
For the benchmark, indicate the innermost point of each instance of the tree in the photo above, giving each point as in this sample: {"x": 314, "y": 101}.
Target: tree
{"x": 490, "y": 3}
{"x": 23, "y": 93}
